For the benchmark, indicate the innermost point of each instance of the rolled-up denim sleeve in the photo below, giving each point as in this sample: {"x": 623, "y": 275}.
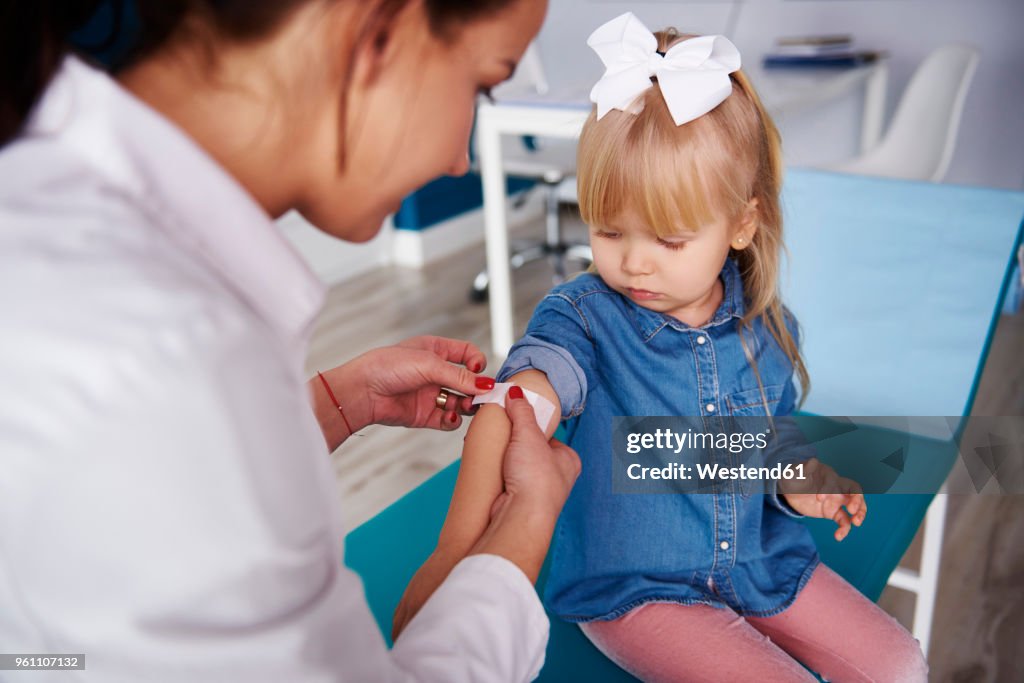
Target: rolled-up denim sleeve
{"x": 558, "y": 343}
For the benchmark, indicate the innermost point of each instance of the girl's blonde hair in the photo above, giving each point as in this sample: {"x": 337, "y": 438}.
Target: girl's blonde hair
{"x": 678, "y": 178}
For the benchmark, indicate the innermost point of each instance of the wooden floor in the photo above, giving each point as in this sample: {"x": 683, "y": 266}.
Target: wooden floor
{"x": 978, "y": 631}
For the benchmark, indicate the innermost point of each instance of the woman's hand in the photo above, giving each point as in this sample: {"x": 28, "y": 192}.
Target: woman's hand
{"x": 538, "y": 475}
{"x": 535, "y": 468}
{"x": 823, "y": 493}
{"x": 398, "y": 385}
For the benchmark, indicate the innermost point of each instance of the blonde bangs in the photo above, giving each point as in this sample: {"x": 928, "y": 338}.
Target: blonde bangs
{"x": 675, "y": 178}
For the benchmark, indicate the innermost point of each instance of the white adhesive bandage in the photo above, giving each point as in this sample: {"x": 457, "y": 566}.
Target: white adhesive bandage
{"x": 543, "y": 409}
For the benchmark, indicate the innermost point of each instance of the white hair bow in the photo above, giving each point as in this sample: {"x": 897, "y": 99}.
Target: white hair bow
{"x": 693, "y": 74}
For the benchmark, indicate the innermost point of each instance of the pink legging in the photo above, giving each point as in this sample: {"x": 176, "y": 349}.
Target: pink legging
{"x": 830, "y": 627}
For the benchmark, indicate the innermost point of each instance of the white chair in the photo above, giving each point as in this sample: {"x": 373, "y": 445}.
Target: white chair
{"x": 920, "y": 140}
{"x": 552, "y": 164}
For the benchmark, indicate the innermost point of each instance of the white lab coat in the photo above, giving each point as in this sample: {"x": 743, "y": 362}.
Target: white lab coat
{"x": 167, "y": 505}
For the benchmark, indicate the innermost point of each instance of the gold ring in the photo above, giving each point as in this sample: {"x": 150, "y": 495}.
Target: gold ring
{"x": 442, "y": 399}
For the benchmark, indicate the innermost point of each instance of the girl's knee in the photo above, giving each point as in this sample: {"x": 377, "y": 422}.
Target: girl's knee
{"x": 898, "y": 662}
{"x": 917, "y": 665}
{"x": 886, "y": 654}
{"x": 905, "y": 662}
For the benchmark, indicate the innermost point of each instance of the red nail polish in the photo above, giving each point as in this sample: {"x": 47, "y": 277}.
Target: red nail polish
{"x": 452, "y": 417}
{"x": 476, "y": 367}
{"x": 515, "y": 391}
{"x": 484, "y": 383}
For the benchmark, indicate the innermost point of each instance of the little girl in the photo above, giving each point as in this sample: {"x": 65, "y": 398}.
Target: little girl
{"x": 679, "y": 175}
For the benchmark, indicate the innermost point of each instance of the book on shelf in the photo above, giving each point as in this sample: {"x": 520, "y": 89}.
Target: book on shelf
{"x": 825, "y": 40}
{"x": 812, "y": 50}
{"x": 834, "y": 59}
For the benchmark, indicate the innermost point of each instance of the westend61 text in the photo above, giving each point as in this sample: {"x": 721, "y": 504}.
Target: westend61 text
{"x": 715, "y": 472}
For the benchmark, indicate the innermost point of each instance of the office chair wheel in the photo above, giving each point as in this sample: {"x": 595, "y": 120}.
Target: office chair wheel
{"x": 478, "y": 293}
{"x": 478, "y": 296}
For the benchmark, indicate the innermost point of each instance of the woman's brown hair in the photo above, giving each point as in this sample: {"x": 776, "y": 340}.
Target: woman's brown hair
{"x": 34, "y": 34}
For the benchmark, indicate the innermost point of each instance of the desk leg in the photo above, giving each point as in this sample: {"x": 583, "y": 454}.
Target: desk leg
{"x": 495, "y": 232}
{"x": 874, "y": 108}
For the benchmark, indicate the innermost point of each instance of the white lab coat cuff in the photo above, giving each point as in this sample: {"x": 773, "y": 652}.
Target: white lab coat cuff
{"x": 484, "y": 623}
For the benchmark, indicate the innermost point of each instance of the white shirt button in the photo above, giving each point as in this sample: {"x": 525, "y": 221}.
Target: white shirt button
{"x": 701, "y": 340}
{"x": 724, "y": 545}
{"x": 710, "y": 407}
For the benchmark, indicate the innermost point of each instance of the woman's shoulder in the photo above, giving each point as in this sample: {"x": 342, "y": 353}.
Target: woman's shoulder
{"x": 83, "y": 268}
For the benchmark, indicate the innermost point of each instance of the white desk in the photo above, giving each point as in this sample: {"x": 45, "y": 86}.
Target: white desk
{"x": 783, "y": 92}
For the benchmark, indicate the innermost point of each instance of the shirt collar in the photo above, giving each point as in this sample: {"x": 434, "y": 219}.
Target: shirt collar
{"x": 183, "y": 191}
{"x": 648, "y": 323}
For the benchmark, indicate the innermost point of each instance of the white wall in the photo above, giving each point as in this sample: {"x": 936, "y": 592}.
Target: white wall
{"x": 335, "y": 261}
{"x": 990, "y": 150}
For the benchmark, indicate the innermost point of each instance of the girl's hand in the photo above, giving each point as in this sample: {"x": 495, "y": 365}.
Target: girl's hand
{"x": 398, "y": 385}
{"x": 823, "y": 493}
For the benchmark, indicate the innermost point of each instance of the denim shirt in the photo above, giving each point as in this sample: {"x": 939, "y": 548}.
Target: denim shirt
{"x": 606, "y": 356}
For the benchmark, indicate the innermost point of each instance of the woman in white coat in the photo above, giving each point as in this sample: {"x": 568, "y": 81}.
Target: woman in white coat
{"x": 167, "y": 507}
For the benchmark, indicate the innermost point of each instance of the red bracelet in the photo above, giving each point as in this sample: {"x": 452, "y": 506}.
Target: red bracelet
{"x": 335, "y": 401}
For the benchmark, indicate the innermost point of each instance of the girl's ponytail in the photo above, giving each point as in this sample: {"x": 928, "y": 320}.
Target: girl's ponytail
{"x": 33, "y": 41}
